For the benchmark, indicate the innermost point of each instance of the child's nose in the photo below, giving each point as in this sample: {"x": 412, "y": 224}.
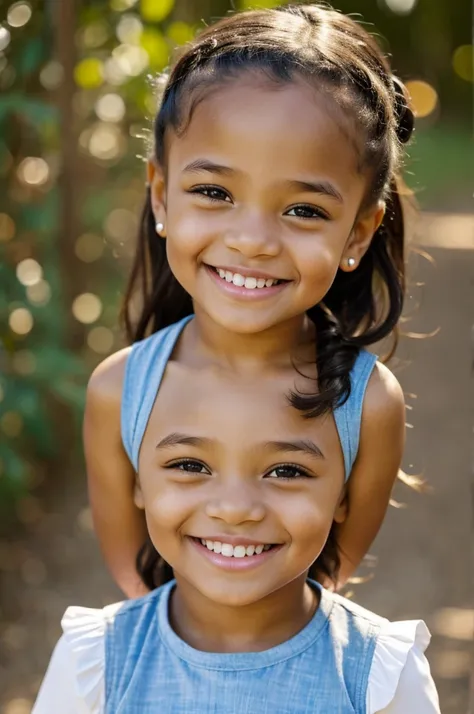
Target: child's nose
{"x": 235, "y": 505}
{"x": 254, "y": 236}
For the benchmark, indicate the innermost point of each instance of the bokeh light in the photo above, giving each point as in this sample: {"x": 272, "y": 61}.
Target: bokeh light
{"x": 110, "y": 108}
{"x": 39, "y": 294}
{"x": 7, "y": 227}
{"x": 87, "y": 308}
{"x": 180, "y": 32}
{"x": 424, "y": 97}
{"x": 106, "y": 141}
{"x": 94, "y": 35}
{"x": 130, "y": 59}
{"x": 156, "y": 47}
{"x": 33, "y": 171}
{"x": 89, "y": 73}
{"x": 101, "y": 340}
{"x": 129, "y": 29}
{"x": 401, "y": 7}
{"x": 29, "y": 272}
{"x": 52, "y": 75}
{"x": 4, "y": 38}
{"x": 121, "y": 225}
{"x": 113, "y": 72}
{"x": 21, "y": 321}
{"x": 463, "y": 62}
{"x": 89, "y": 247}
{"x": 153, "y": 11}
{"x": 19, "y": 14}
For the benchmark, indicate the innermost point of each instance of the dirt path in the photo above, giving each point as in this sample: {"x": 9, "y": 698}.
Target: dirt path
{"x": 424, "y": 559}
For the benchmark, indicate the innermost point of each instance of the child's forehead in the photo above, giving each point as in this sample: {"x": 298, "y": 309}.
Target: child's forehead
{"x": 295, "y": 124}
{"x": 237, "y": 414}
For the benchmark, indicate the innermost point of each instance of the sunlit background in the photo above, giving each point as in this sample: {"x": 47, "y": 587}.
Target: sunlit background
{"x": 76, "y": 102}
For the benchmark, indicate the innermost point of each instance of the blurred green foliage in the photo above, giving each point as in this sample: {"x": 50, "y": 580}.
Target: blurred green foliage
{"x": 49, "y": 339}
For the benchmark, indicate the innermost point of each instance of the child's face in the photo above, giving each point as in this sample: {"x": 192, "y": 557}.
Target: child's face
{"x": 234, "y": 464}
{"x": 263, "y": 184}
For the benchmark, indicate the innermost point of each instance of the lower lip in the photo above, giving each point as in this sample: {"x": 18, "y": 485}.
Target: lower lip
{"x": 245, "y": 563}
{"x": 245, "y": 293}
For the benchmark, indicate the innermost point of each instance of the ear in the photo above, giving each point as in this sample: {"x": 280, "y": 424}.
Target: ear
{"x": 361, "y": 236}
{"x": 156, "y": 182}
{"x": 138, "y": 495}
{"x": 342, "y": 508}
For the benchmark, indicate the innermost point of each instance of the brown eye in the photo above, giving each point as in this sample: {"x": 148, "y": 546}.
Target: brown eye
{"x": 307, "y": 212}
{"x": 213, "y": 193}
{"x": 288, "y": 472}
{"x": 189, "y": 466}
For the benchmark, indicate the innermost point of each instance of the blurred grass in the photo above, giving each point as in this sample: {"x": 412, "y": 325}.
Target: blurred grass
{"x": 440, "y": 168}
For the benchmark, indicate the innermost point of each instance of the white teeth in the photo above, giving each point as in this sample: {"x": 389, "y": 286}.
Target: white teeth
{"x": 238, "y": 280}
{"x": 250, "y": 283}
{"x": 230, "y": 551}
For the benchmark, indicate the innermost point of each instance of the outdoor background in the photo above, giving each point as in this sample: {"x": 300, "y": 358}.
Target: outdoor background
{"x": 75, "y": 105}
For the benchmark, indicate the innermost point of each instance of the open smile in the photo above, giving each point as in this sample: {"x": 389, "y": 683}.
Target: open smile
{"x": 255, "y": 286}
{"x": 235, "y": 557}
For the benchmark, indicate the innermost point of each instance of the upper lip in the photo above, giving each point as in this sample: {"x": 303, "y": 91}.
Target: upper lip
{"x": 236, "y": 540}
{"x": 247, "y": 272}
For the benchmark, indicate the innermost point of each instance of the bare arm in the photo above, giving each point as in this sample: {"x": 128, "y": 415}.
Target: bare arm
{"x": 119, "y": 524}
{"x": 382, "y": 440}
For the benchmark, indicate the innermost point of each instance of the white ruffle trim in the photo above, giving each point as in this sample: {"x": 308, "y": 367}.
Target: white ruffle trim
{"x": 84, "y": 632}
{"x": 394, "y": 643}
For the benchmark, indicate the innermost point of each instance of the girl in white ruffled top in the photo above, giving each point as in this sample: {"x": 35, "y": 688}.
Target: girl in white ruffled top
{"x": 241, "y": 497}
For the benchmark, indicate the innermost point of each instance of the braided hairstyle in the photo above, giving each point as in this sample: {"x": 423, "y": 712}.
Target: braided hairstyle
{"x": 336, "y": 55}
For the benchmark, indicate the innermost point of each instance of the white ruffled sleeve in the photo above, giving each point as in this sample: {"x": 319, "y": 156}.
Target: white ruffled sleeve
{"x": 74, "y": 682}
{"x": 400, "y": 680}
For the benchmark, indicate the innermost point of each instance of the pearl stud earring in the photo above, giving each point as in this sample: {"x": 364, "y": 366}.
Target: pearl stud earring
{"x": 351, "y": 262}
{"x": 159, "y": 228}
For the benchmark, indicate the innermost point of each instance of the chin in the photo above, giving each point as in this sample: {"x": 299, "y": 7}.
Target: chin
{"x": 244, "y": 323}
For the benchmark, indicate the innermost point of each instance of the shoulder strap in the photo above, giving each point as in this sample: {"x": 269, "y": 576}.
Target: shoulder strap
{"x": 144, "y": 371}
{"x": 349, "y": 415}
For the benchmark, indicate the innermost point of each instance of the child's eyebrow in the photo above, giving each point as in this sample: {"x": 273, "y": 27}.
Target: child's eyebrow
{"x": 209, "y": 166}
{"x": 177, "y": 439}
{"x": 304, "y": 446}
{"x": 324, "y": 187}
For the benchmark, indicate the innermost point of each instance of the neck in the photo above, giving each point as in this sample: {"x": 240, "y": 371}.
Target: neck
{"x": 278, "y": 346}
{"x": 211, "y": 627}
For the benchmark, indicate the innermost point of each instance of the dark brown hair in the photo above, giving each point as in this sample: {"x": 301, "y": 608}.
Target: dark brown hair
{"x": 338, "y": 56}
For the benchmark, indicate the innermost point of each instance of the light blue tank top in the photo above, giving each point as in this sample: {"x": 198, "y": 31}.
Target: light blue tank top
{"x": 323, "y": 669}
{"x": 144, "y": 371}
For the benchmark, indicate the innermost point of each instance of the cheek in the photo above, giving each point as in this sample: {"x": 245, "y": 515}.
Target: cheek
{"x": 309, "y": 520}
{"x": 166, "y": 508}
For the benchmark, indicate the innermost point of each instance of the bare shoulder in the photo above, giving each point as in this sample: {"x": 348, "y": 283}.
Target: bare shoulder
{"x": 106, "y": 382}
{"x": 384, "y": 402}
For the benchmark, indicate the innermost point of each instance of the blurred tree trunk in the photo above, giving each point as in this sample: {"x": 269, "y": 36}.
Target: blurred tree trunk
{"x": 65, "y": 26}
